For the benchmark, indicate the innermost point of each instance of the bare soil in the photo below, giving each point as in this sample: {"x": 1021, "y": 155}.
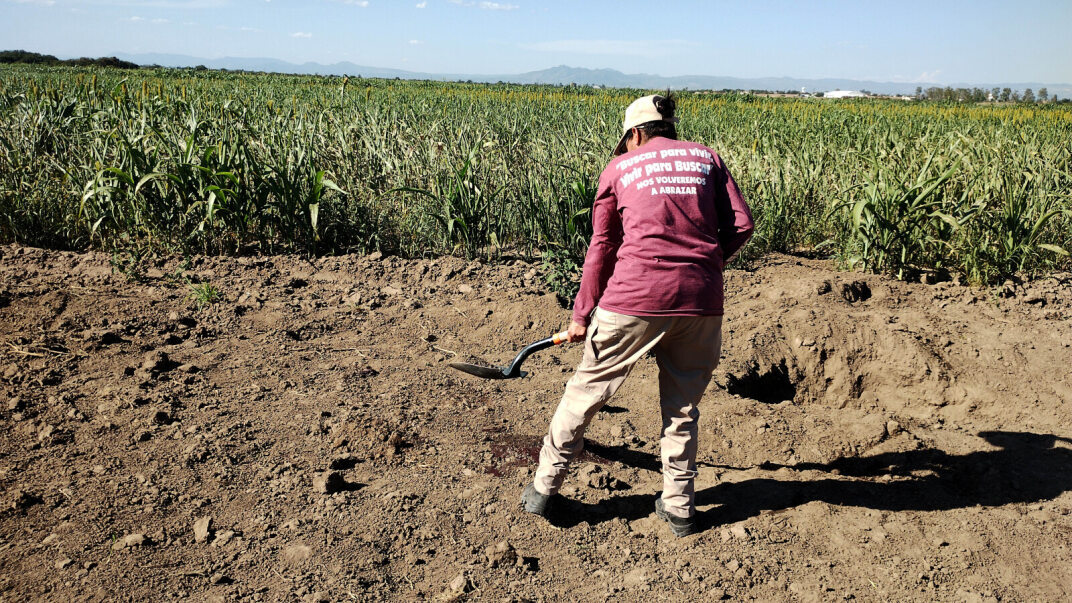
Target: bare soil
{"x": 303, "y": 439}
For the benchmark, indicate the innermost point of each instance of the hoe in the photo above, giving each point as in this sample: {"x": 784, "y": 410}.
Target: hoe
{"x": 514, "y": 370}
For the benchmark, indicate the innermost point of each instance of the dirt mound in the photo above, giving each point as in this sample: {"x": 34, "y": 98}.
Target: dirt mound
{"x": 303, "y": 438}
{"x": 902, "y": 348}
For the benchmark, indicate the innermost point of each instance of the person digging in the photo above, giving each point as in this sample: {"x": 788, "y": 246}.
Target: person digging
{"x": 666, "y": 218}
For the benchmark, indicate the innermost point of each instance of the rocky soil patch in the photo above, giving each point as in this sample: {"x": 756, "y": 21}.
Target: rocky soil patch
{"x": 304, "y": 440}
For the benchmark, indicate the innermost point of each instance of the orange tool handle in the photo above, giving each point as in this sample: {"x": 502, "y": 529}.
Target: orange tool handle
{"x": 558, "y": 338}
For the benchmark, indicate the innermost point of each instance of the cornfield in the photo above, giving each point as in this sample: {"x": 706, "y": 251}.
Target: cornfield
{"x": 223, "y": 163}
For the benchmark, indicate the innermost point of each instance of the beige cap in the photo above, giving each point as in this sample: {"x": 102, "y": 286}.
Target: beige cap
{"x": 640, "y": 111}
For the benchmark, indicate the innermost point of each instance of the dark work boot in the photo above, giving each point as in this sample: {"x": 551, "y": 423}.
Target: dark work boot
{"x": 680, "y": 526}
{"x": 534, "y": 501}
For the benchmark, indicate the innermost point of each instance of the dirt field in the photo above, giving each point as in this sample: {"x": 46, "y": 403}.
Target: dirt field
{"x": 304, "y": 439}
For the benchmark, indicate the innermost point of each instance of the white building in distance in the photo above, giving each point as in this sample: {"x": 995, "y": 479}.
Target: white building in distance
{"x": 844, "y": 94}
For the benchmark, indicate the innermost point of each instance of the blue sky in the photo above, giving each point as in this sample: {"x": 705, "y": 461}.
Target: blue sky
{"x": 934, "y": 41}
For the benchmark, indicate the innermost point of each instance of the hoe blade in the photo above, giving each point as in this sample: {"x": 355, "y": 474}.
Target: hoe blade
{"x": 484, "y": 372}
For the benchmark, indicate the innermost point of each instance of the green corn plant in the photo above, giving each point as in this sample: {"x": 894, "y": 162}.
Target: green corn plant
{"x": 462, "y": 208}
{"x": 189, "y": 161}
{"x": 568, "y": 224}
{"x": 898, "y": 225}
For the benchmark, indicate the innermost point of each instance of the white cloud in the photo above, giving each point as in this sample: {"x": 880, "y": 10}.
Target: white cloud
{"x": 361, "y": 3}
{"x": 487, "y": 5}
{"x": 37, "y": 2}
{"x": 414, "y": 42}
{"x": 422, "y": 4}
{"x": 183, "y": 4}
{"x": 156, "y": 21}
{"x": 301, "y": 34}
{"x": 927, "y": 77}
{"x": 614, "y": 47}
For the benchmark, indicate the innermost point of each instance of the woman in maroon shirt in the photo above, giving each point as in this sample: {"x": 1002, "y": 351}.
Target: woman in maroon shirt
{"x": 667, "y": 217}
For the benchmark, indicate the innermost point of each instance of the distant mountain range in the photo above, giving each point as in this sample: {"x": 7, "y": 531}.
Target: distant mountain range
{"x": 576, "y": 75}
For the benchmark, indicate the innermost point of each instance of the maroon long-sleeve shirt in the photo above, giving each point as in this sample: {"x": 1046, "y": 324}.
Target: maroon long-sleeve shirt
{"x": 666, "y": 217}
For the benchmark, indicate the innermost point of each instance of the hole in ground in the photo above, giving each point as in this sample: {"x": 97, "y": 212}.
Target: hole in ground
{"x": 770, "y": 387}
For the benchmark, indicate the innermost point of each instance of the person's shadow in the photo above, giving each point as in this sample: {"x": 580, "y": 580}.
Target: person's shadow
{"x": 1027, "y": 467}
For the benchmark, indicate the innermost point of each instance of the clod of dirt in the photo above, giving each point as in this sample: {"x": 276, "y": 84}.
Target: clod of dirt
{"x": 223, "y": 538}
{"x": 855, "y": 291}
{"x": 396, "y": 443}
{"x": 56, "y": 437}
{"x": 24, "y": 499}
{"x": 739, "y": 532}
{"x": 130, "y": 541}
{"x": 366, "y": 372}
{"x": 824, "y": 288}
{"x": 108, "y": 338}
{"x": 297, "y": 553}
{"x": 161, "y": 417}
{"x": 457, "y": 587}
{"x": 637, "y": 577}
{"x": 157, "y": 362}
{"x": 203, "y": 529}
{"x": 15, "y": 404}
{"x": 933, "y": 277}
{"x": 893, "y": 428}
{"x": 1010, "y": 289}
{"x": 343, "y": 462}
{"x": 329, "y": 482}
{"x": 594, "y": 477}
{"x": 11, "y": 372}
{"x": 500, "y": 554}
{"x": 62, "y": 563}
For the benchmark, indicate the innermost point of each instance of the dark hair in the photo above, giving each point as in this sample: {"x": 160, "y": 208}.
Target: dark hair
{"x": 665, "y": 105}
{"x": 659, "y": 128}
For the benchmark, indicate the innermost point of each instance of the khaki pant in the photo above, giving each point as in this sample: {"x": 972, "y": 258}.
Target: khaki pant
{"x": 686, "y": 349}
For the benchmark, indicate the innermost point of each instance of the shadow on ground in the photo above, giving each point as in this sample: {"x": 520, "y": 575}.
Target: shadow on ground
{"x": 1027, "y": 467}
